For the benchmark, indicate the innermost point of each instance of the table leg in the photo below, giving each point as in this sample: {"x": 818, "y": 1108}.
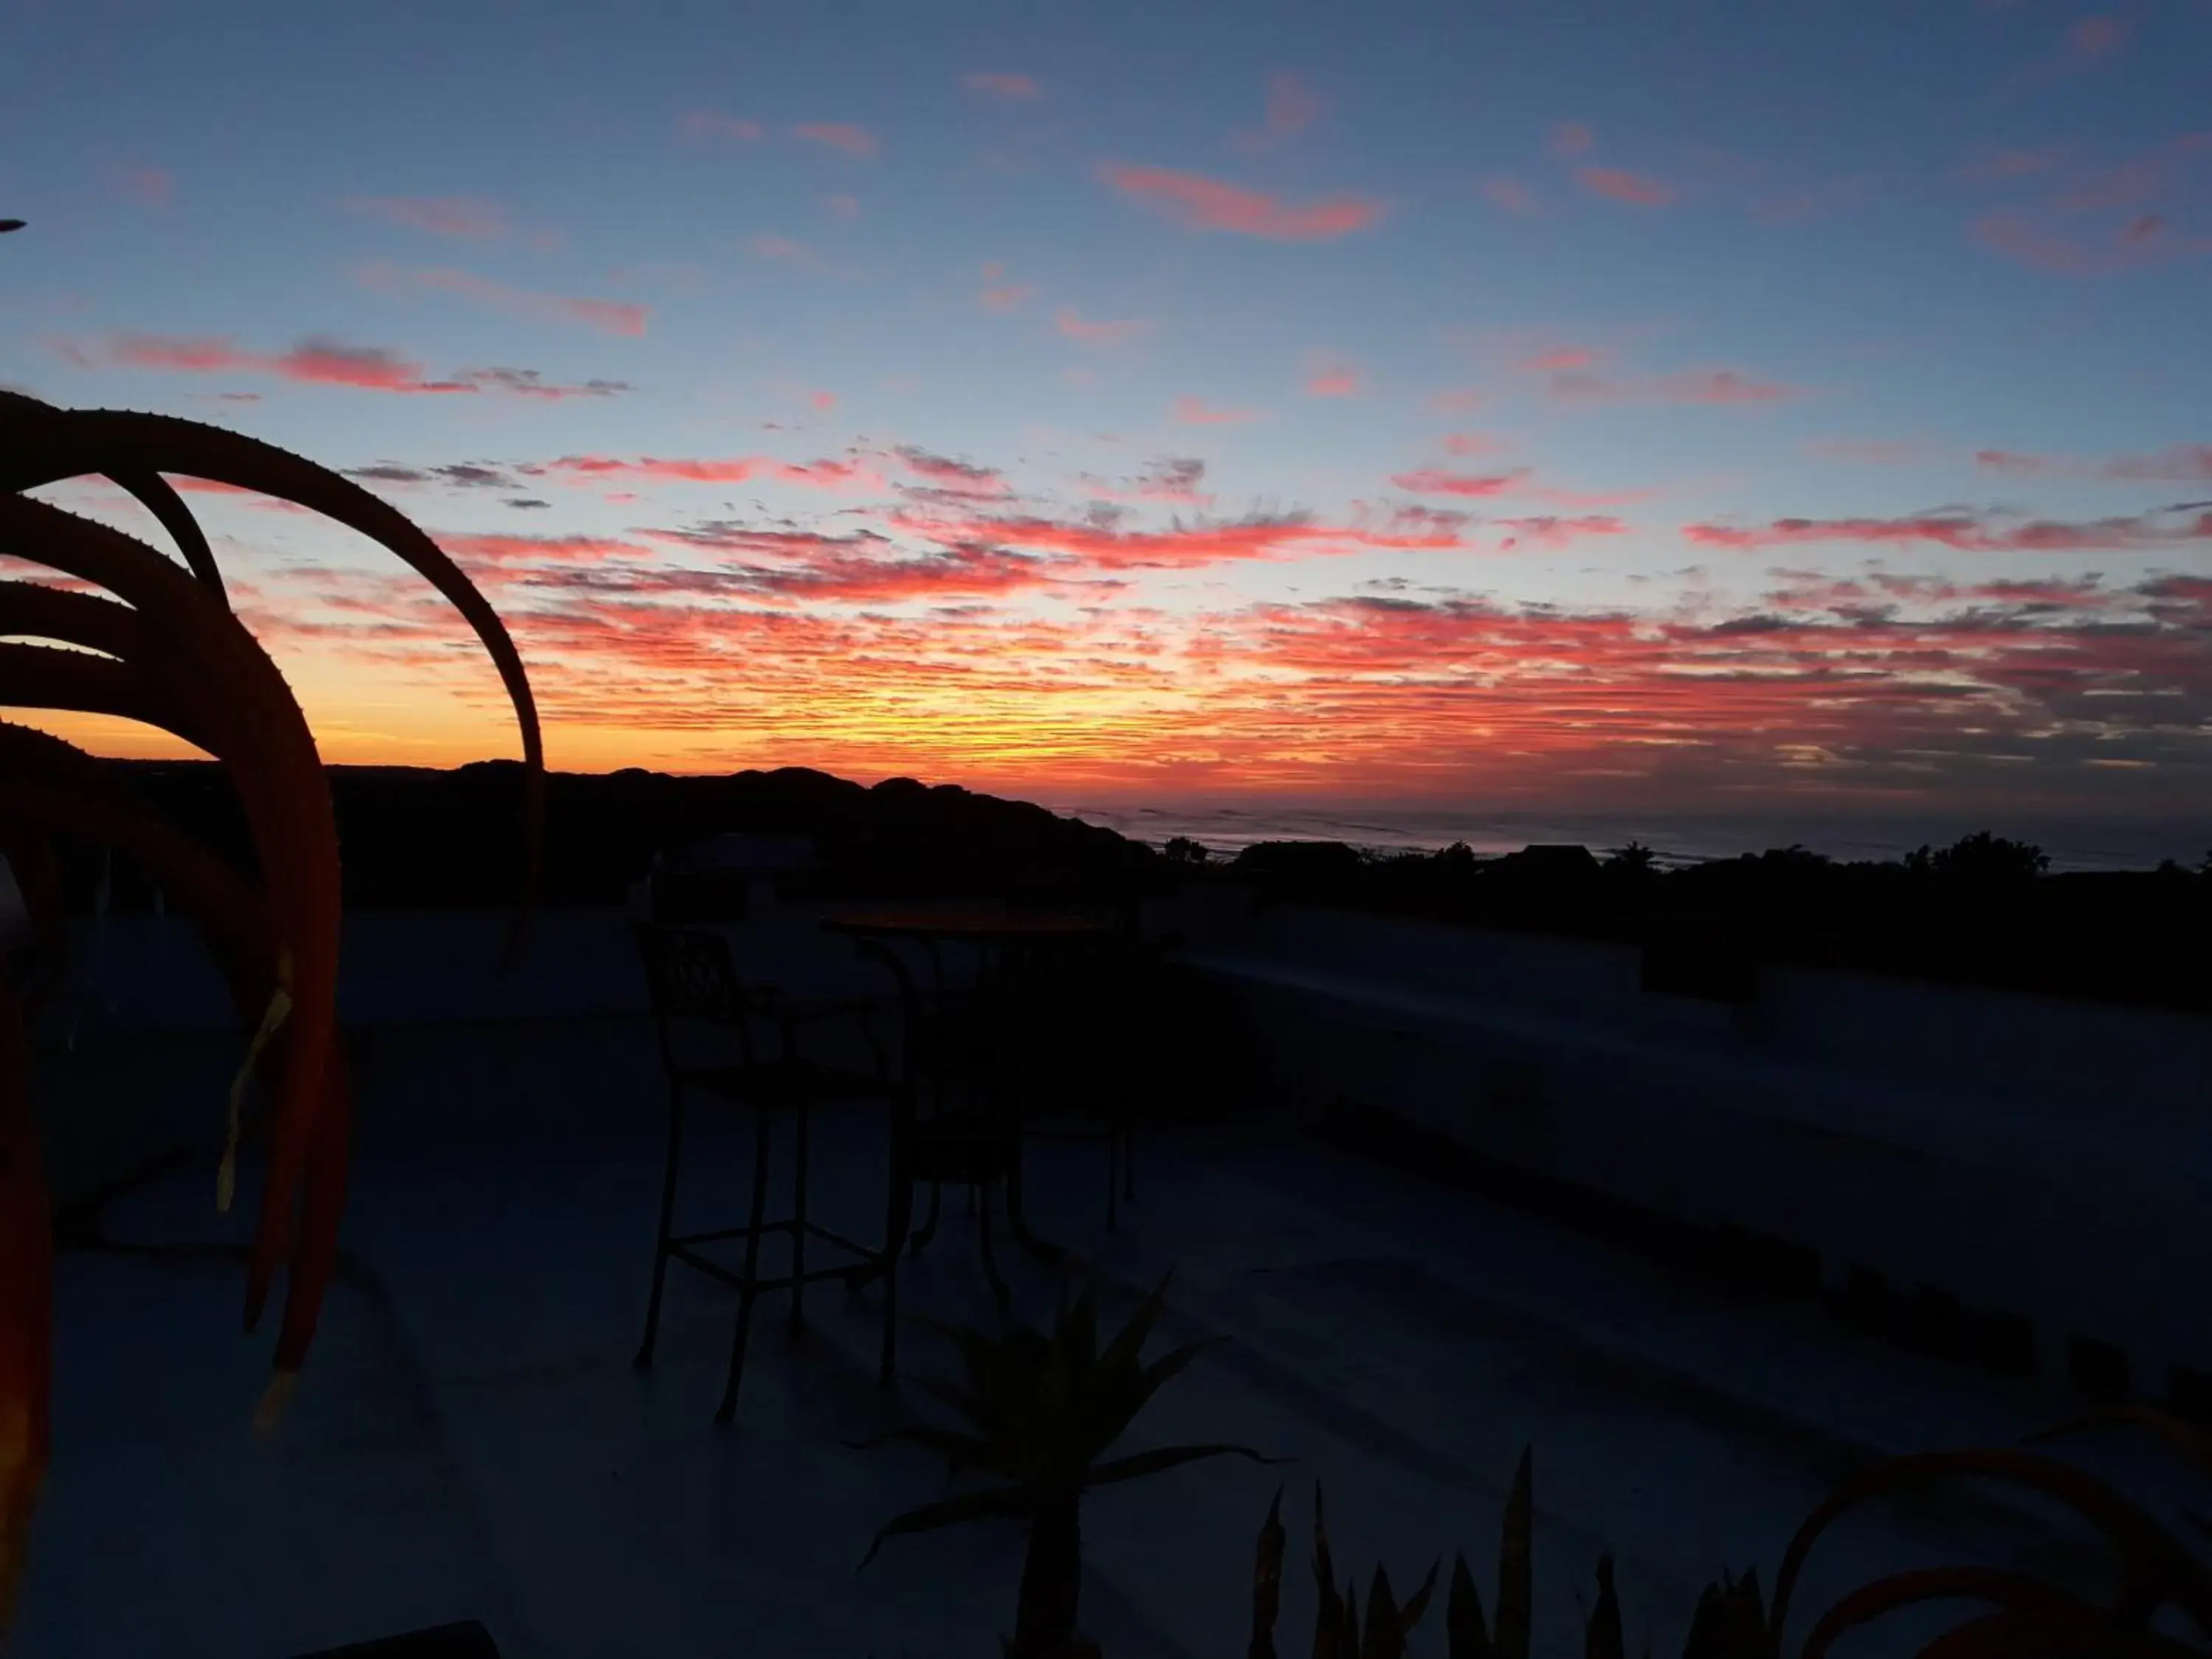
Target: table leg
{"x": 1018, "y": 1220}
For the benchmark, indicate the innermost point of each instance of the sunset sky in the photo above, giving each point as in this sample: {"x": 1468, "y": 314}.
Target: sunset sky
{"x": 1640, "y": 405}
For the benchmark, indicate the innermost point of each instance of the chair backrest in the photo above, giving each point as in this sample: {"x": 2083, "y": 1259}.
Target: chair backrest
{"x": 691, "y": 975}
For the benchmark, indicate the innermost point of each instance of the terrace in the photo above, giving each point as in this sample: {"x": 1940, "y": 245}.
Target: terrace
{"x": 469, "y": 1441}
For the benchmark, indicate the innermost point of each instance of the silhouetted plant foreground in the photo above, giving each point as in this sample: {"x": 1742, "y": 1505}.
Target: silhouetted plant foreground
{"x": 1041, "y": 1408}
{"x": 135, "y": 635}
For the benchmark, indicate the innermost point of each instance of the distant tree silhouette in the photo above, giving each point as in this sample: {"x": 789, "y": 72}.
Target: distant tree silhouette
{"x": 1981, "y": 858}
{"x": 1181, "y": 849}
{"x": 1633, "y": 860}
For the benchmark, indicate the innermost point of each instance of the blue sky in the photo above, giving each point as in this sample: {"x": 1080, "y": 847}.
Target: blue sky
{"x": 1603, "y": 402}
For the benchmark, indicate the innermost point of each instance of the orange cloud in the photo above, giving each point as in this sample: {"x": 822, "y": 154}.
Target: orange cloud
{"x": 442, "y": 215}
{"x": 608, "y": 316}
{"x": 1196, "y": 411}
{"x": 856, "y": 142}
{"x": 1069, "y": 323}
{"x": 1005, "y": 89}
{"x": 1205, "y": 203}
{"x": 1618, "y": 185}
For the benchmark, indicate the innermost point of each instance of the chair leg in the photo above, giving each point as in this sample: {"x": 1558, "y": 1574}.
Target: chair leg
{"x": 929, "y": 1227}
{"x": 643, "y": 1359}
{"x": 746, "y": 1291}
{"x": 798, "y": 1225}
{"x": 999, "y": 1290}
{"x": 1113, "y": 1181}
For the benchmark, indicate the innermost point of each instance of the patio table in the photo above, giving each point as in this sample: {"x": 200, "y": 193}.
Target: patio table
{"x": 986, "y": 929}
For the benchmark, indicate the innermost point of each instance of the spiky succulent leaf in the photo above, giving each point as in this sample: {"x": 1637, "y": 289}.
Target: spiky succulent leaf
{"x": 1515, "y": 1578}
{"x": 1465, "y": 1635}
{"x": 1601, "y": 1637}
{"x": 1268, "y": 1582}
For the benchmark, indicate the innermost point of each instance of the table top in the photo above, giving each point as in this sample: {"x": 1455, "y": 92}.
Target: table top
{"x": 981, "y": 925}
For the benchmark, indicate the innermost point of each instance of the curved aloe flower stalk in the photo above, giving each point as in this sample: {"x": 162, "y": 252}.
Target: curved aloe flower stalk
{"x": 166, "y": 651}
{"x": 42, "y": 445}
{"x": 156, "y": 495}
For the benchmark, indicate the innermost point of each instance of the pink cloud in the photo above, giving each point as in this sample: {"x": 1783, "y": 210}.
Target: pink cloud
{"x": 1547, "y": 530}
{"x": 1006, "y": 296}
{"x": 1456, "y": 400}
{"x": 1618, "y": 185}
{"x": 1470, "y": 443}
{"x": 2097, "y": 37}
{"x": 1968, "y": 532}
{"x": 1101, "y": 547}
{"x": 2014, "y": 164}
{"x": 1879, "y": 452}
{"x": 2182, "y": 463}
{"x": 1329, "y": 377}
{"x": 322, "y": 362}
{"x": 706, "y": 124}
{"x": 2019, "y": 239}
{"x": 1510, "y": 195}
{"x": 846, "y": 207}
{"x": 743, "y": 469}
{"x": 840, "y": 135}
{"x": 314, "y": 362}
{"x": 1205, "y": 203}
{"x": 1195, "y": 411}
{"x": 442, "y": 215}
{"x": 1719, "y": 387}
{"x": 1005, "y": 89}
{"x": 608, "y": 316}
{"x": 1571, "y": 138}
{"x": 147, "y": 186}
{"x": 959, "y": 477}
{"x": 772, "y": 246}
{"x": 823, "y": 401}
{"x": 1076, "y": 327}
{"x": 1560, "y": 359}
{"x": 1432, "y": 481}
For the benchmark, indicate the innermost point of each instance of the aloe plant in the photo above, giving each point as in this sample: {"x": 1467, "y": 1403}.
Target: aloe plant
{"x": 1040, "y": 1409}
{"x": 1730, "y": 1622}
{"x": 157, "y": 643}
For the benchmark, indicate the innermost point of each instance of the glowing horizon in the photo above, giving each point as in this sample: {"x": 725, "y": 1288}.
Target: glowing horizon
{"x": 1279, "y": 423}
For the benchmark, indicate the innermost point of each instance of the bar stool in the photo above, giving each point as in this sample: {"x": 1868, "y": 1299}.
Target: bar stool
{"x": 694, "y": 983}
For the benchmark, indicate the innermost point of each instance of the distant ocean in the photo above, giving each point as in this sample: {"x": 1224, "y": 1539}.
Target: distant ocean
{"x": 2075, "y": 844}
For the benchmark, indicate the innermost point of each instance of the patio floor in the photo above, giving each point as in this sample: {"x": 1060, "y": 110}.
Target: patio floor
{"x": 469, "y": 1441}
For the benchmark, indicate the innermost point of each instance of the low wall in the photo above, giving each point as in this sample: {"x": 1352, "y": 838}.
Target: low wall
{"x": 2021, "y": 1156}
